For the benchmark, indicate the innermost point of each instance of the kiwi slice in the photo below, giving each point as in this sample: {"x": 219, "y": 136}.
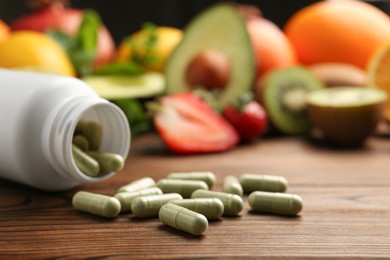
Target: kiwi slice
{"x": 219, "y": 28}
{"x": 347, "y": 116}
{"x": 118, "y": 86}
{"x": 283, "y": 94}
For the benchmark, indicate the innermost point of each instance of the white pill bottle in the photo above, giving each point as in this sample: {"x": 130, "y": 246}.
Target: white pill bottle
{"x": 38, "y": 115}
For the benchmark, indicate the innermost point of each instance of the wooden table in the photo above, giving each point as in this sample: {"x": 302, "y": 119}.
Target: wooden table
{"x": 346, "y": 211}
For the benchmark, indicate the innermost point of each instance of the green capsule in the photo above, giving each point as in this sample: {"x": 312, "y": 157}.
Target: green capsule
{"x": 232, "y": 185}
{"x": 183, "y": 187}
{"x": 139, "y": 184}
{"x": 254, "y": 182}
{"x": 109, "y": 162}
{"x": 207, "y": 177}
{"x": 97, "y": 204}
{"x": 81, "y": 142}
{"x": 148, "y": 206}
{"x": 275, "y": 203}
{"x": 183, "y": 219}
{"x": 233, "y": 204}
{"x": 93, "y": 132}
{"x": 211, "y": 208}
{"x": 85, "y": 163}
{"x": 126, "y": 198}
{"x": 79, "y": 127}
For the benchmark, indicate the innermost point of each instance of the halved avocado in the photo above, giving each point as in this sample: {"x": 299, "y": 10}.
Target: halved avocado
{"x": 117, "y": 86}
{"x": 220, "y": 28}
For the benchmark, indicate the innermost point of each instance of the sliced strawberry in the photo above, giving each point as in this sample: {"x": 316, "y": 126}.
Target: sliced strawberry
{"x": 188, "y": 125}
{"x": 249, "y": 120}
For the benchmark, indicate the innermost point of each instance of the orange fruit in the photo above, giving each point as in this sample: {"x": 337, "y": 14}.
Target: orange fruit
{"x": 167, "y": 39}
{"x": 4, "y": 31}
{"x": 271, "y": 46}
{"x": 34, "y": 51}
{"x": 379, "y": 71}
{"x": 338, "y": 31}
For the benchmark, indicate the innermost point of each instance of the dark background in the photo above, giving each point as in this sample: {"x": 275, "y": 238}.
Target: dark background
{"x": 122, "y": 17}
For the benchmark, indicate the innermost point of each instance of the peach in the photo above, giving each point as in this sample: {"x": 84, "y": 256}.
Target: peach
{"x": 272, "y": 48}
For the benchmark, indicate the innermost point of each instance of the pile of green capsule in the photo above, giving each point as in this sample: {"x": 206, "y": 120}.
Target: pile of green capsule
{"x": 85, "y": 150}
{"x": 186, "y": 201}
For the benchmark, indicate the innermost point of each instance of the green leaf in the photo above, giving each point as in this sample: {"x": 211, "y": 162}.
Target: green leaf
{"x": 82, "y": 60}
{"x": 87, "y": 36}
{"x": 82, "y": 48}
{"x": 136, "y": 114}
{"x": 243, "y": 100}
{"x": 65, "y": 40}
{"x": 143, "y": 52}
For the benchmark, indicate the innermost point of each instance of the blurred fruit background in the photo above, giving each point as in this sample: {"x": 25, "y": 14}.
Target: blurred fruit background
{"x": 123, "y": 16}
{"x": 141, "y": 54}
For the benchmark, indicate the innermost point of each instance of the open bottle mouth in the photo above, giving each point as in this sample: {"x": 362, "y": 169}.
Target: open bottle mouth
{"x": 115, "y": 135}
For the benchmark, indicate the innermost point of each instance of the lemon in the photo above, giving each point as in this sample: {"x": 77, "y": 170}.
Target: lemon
{"x": 34, "y": 51}
{"x": 167, "y": 39}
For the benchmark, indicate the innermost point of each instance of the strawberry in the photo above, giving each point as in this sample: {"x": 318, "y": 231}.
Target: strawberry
{"x": 248, "y": 119}
{"x": 188, "y": 125}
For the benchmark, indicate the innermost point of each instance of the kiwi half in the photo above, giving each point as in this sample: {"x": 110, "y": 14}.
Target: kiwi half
{"x": 346, "y": 116}
{"x": 283, "y": 94}
{"x": 222, "y": 29}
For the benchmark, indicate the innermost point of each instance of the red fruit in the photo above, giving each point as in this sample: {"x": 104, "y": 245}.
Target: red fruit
{"x": 67, "y": 20}
{"x": 209, "y": 69}
{"x": 188, "y": 125}
{"x": 250, "y": 122}
{"x": 272, "y": 48}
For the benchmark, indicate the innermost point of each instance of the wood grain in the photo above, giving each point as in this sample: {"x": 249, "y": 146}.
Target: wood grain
{"x": 346, "y": 211}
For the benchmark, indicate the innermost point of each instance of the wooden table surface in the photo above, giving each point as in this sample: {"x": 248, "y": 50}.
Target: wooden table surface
{"x": 346, "y": 210}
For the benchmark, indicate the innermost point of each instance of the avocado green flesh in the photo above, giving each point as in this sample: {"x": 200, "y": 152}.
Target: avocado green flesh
{"x": 139, "y": 86}
{"x": 220, "y": 28}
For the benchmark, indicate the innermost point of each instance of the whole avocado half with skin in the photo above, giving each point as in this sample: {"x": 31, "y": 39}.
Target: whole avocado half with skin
{"x": 220, "y": 28}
